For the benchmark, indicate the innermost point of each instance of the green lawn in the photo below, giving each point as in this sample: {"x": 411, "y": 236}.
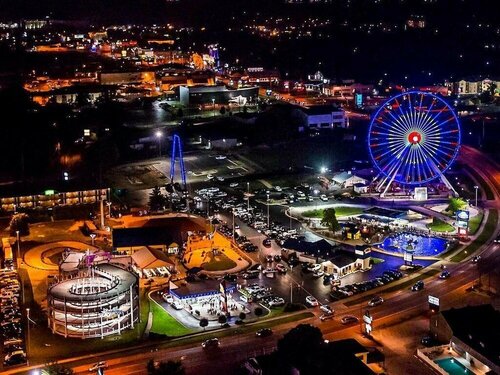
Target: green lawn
{"x": 339, "y": 211}
{"x": 489, "y": 229}
{"x": 440, "y": 226}
{"x": 165, "y": 324}
{"x": 218, "y": 263}
{"x": 475, "y": 222}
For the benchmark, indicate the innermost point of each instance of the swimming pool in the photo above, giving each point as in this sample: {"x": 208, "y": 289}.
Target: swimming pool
{"x": 452, "y": 366}
{"x": 421, "y": 245}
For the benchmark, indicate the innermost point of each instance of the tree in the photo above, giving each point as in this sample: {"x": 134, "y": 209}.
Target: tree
{"x": 19, "y": 222}
{"x": 203, "y": 323}
{"x": 222, "y": 110}
{"x": 300, "y": 346}
{"x": 56, "y": 369}
{"x": 156, "y": 199}
{"x": 180, "y": 112}
{"x": 165, "y": 368}
{"x": 222, "y": 319}
{"x": 456, "y": 204}
{"x": 330, "y": 219}
{"x": 243, "y": 316}
{"x": 258, "y": 311}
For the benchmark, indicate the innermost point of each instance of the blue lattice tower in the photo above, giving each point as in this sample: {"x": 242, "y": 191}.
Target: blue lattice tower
{"x": 414, "y": 137}
{"x": 177, "y": 151}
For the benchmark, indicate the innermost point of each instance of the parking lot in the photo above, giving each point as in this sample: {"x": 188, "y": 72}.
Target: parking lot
{"x": 12, "y": 322}
{"x": 298, "y": 281}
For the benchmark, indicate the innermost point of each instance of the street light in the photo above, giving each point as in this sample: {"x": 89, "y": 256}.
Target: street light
{"x": 213, "y": 106}
{"x": 18, "y": 246}
{"x": 476, "y": 188}
{"x": 92, "y": 236}
{"x": 233, "y": 223}
{"x": 267, "y": 211}
{"x": 248, "y": 196}
{"x": 159, "y": 136}
{"x": 28, "y": 335}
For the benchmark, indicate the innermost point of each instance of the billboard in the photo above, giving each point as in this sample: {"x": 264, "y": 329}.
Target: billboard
{"x": 462, "y": 219}
{"x": 359, "y": 100}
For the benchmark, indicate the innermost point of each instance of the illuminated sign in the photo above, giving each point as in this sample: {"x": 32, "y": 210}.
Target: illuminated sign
{"x": 462, "y": 219}
{"x": 359, "y": 100}
{"x": 49, "y": 192}
{"x": 434, "y": 300}
{"x": 408, "y": 257}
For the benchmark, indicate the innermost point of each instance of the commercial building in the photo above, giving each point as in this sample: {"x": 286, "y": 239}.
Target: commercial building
{"x": 220, "y": 94}
{"x": 336, "y": 261}
{"x": 324, "y": 117}
{"x": 158, "y": 232}
{"x": 473, "y": 86}
{"x": 51, "y": 198}
{"x": 100, "y": 301}
{"x": 347, "y": 179}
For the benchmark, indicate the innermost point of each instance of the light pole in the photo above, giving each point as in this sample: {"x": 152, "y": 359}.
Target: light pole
{"x": 18, "y": 246}
{"x": 233, "y": 224}
{"x": 248, "y": 196}
{"x": 213, "y": 107}
{"x": 267, "y": 211}
{"x": 475, "y": 188}
{"x": 92, "y": 236}
{"x": 28, "y": 335}
{"x": 159, "y": 136}
{"x": 109, "y": 208}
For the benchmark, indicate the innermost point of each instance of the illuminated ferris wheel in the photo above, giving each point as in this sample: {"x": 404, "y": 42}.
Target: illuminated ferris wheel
{"x": 414, "y": 137}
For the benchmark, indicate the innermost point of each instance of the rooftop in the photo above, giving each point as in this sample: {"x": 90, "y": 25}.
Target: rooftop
{"x": 475, "y": 326}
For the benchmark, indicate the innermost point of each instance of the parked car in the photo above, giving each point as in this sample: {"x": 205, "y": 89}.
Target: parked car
{"x": 476, "y": 258}
{"x": 323, "y": 197}
{"x": 318, "y": 273}
{"x": 210, "y": 343}
{"x": 267, "y": 243}
{"x": 168, "y": 298}
{"x": 314, "y": 267}
{"x": 326, "y": 309}
{"x": 311, "y": 301}
{"x": 177, "y": 305}
{"x": 419, "y": 285}
{"x": 264, "y": 332}
{"x": 349, "y": 319}
{"x": 375, "y": 301}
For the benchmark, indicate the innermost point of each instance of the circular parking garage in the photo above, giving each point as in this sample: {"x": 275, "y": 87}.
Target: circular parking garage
{"x": 100, "y": 301}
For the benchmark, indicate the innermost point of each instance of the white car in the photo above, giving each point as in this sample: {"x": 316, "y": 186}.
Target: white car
{"x": 220, "y": 157}
{"x": 318, "y": 273}
{"x": 233, "y": 184}
{"x": 220, "y": 178}
{"x": 177, "y": 305}
{"x": 311, "y": 301}
{"x": 315, "y": 267}
{"x": 323, "y": 197}
{"x": 278, "y": 188}
{"x": 210, "y": 176}
{"x": 168, "y": 298}
{"x": 300, "y": 194}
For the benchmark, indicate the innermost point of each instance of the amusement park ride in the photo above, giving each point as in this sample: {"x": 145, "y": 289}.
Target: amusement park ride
{"x": 413, "y": 138}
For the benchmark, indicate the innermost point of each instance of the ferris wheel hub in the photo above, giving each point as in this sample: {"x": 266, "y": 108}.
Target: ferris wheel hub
{"x": 414, "y": 137}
